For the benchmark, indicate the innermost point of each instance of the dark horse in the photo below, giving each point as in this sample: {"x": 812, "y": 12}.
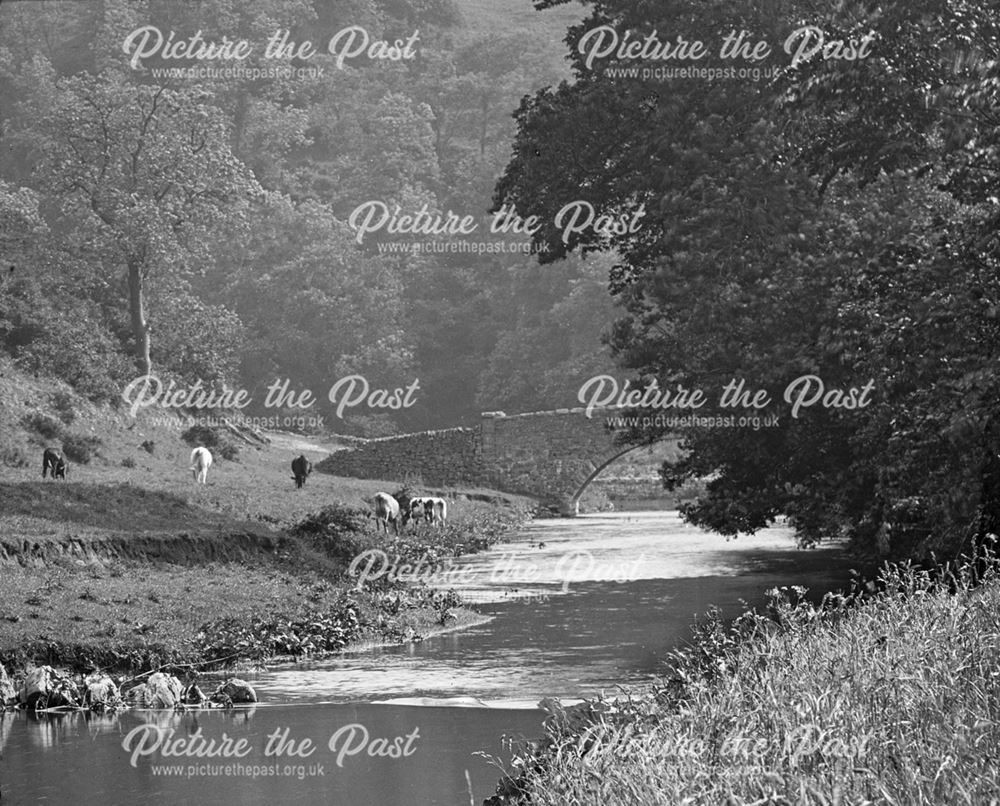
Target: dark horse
{"x": 52, "y": 461}
{"x": 301, "y": 468}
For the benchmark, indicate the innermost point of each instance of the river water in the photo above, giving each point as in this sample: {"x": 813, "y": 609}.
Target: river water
{"x": 578, "y": 607}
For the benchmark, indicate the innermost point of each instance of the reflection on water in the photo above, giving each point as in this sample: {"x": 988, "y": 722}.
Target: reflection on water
{"x": 557, "y": 632}
{"x": 88, "y": 757}
{"x": 578, "y": 607}
{"x": 555, "y": 555}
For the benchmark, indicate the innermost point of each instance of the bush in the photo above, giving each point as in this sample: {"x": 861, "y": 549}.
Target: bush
{"x": 317, "y": 631}
{"x": 201, "y": 435}
{"x": 228, "y": 451}
{"x": 128, "y": 462}
{"x": 215, "y": 440}
{"x": 337, "y": 518}
{"x": 338, "y": 531}
{"x": 46, "y": 427}
{"x": 62, "y": 402}
{"x": 14, "y": 456}
{"x": 148, "y": 446}
{"x": 79, "y": 448}
{"x": 65, "y": 339}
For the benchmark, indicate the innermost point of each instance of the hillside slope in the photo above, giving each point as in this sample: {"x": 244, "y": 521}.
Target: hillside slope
{"x": 128, "y": 563}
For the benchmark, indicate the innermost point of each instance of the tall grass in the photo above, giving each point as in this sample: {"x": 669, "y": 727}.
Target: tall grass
{"x": 890, "y": 698}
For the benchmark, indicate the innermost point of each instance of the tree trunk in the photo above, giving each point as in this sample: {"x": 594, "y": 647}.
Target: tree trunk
{"x": 239, "y": 126}
{"x": 140, "y": 327}
{"x": 483, "y": 127}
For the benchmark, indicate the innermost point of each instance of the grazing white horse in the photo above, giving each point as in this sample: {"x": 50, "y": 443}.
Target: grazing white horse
{"x": 386, "y": 512}
{"x": 201, "y": 461}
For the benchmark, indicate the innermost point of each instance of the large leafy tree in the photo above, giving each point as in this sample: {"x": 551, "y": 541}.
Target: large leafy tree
{"x": 788, "y": 234}
{"x": 144, "y": 171}
{"x": 923, "y": 113}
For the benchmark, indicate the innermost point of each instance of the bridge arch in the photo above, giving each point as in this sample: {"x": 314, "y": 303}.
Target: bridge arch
{"x": 550, "y": 455}
{"x": 575, "y": 500}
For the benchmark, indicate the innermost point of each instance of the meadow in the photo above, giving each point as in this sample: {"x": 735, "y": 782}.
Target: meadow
{"x": 129, "y": 565}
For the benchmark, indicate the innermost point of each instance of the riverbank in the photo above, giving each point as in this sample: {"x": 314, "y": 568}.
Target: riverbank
{"x": 885, "y": 698}
{"x": 127, "y": 579}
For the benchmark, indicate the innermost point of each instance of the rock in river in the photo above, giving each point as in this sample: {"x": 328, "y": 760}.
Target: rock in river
{"x": 234, "y": 691}
{"x": 8, "y": 695}
{"x": 194, "y": 695}
{"x": 100, "y": 692}
{"x": 44, "y": 687}
{"x": 160, "y": 691}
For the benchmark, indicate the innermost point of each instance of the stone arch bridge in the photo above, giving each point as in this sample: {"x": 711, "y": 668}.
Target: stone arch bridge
{"x": 550, "y": 455}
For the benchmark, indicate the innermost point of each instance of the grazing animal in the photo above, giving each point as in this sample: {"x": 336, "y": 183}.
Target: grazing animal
{"x": 301, "y": 468}
{"x": 414, "y": 512}
{"x": 54, "y": 463}
{"x": 201, "y": 461}
{"x": 386, "y": 512}
{"x": 435, "y": 511}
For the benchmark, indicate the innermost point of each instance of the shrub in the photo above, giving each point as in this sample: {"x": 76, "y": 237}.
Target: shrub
{"x": 336, "y": 518}
{"x": 148, "y": 446}
{"x": 53, "y": 329}
{"x": 14, "y": 456}
{"x": 80, "y": 448}
{"x": 201, "y": 435}
{"x": 338, "y": 530}
{"x": 46, "y": 427}
{"x": 228, "y": 451}
{"x": 318, "y": 631}
{"x": 128, "y": 462}
{"x": 215, "y": 440}
{"x": 64, "y": 407}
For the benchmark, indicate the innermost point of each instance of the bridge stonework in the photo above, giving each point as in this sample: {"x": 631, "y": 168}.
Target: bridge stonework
{"x": 550, "y": 455}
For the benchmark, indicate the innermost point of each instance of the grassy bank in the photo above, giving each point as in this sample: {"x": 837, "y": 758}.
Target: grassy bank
{"x": 128, "y": 565}
{"x": 190, "y": 588}
{"x": 893, "y": 698}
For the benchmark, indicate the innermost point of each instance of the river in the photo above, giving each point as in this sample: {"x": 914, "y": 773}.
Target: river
{"x": 578, "y": 607}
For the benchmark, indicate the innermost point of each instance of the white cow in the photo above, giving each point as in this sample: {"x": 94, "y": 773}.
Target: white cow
{"x": 435, "y": 511}
{"x": 386, "y": 512}
{"x": 201, "y": 461}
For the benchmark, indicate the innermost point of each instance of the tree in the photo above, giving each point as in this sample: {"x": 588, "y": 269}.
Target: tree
{"x": 49, "y": 320}
{"x": 838, "y": 222}
{"x": 144, "y": 169}
{"x": 314, "y": 305}
{"x": 553, "y": 344}
{"x": 267, "y": 112}
{"x": 929, "y": 304}
{"x": 20, "y": 221}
